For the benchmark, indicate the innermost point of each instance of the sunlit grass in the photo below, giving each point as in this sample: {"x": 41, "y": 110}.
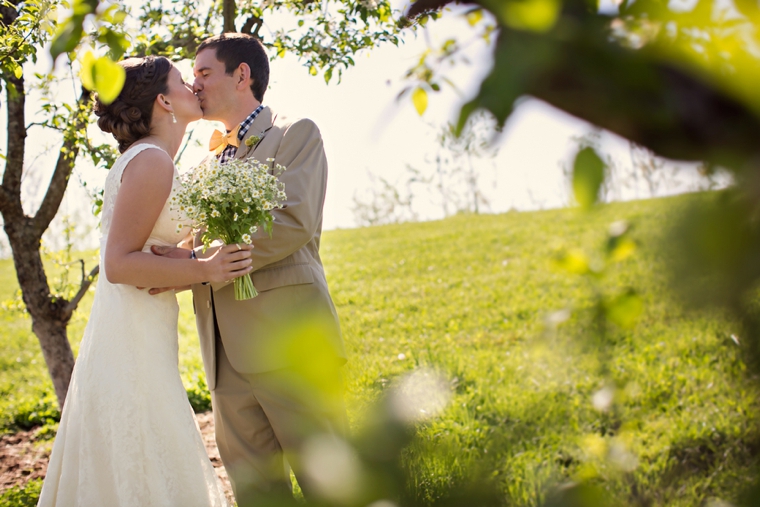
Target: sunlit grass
{"x": 469, "y": 296}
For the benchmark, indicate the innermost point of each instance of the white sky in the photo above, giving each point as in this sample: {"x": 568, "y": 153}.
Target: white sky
{"x": 367, "y": 131}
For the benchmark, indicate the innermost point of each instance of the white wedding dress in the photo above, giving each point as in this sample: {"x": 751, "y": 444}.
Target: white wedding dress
{"x": 127, "y": 436}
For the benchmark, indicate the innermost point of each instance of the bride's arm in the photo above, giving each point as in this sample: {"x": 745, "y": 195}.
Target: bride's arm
{"x": 145, "y": 187}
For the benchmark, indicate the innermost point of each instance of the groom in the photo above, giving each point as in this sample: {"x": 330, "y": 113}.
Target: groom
{"x": 272, "y": 362}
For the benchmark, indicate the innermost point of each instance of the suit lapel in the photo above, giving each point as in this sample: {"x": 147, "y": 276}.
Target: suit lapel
{"x": 262, "y": 122}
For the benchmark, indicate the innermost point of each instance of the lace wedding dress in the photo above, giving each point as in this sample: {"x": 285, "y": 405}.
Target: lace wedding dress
{"x": 127, "y": 435}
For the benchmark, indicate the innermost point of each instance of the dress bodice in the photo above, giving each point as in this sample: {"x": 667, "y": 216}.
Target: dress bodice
{"x": 170, "y": 227}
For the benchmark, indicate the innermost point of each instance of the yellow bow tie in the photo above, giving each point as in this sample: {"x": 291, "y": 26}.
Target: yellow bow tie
{"x": 219, "y": 141}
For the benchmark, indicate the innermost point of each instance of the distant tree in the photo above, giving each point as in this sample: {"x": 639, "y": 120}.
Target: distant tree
{"x": 638, "y": 172}
{"x": 452, "y": 181}
{"x": 458, "y": 149}
{"x": 388, "y": 203}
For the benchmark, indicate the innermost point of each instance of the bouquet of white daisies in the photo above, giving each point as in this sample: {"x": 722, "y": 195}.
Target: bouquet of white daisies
{"x": 231, "y": 200}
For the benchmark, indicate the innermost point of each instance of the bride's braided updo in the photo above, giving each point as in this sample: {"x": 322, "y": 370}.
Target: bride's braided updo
{"x": 128, "y": 117}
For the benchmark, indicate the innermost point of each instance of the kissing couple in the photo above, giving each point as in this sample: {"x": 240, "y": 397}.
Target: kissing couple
{"x": 127, "y": 435}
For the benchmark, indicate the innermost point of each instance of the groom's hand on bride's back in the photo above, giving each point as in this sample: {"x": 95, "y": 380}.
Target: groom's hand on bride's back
{"x": 171, "y": 252}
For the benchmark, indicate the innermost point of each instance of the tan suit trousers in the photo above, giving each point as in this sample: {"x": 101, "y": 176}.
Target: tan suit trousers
{"x": 260, "y": 422}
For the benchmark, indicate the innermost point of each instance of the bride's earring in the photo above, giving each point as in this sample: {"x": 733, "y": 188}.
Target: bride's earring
{"x": 174, "y": 118}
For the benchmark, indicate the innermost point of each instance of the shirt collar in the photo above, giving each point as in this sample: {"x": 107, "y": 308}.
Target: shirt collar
{"x": 246, "y": 124}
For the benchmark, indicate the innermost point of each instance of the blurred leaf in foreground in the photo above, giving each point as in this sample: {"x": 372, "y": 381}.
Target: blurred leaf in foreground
{"x": 624, "y": 309}
{"x": 588, "y": 176}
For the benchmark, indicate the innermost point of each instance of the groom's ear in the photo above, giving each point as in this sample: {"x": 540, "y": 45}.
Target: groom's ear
{"x": 244, "y": 76}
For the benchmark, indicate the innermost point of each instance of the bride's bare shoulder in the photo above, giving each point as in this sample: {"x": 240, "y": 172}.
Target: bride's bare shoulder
{"x": 150, "y": 165}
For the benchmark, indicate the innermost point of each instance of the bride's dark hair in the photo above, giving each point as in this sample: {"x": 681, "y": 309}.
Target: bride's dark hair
{"x": 128, "y": 117}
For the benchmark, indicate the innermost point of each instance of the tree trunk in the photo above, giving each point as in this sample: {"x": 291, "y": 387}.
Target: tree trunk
{"x": 49, "y": 315}
{"x": 228, "y": 13}
{"x": 57, "y": 352}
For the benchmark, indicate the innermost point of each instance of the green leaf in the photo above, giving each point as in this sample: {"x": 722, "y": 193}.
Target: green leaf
{"x": 109, "y": 79}
{"x": 420, "y": 100}
{"x": 18, "y": 71}
{"x": 103, "y": 76}
{"x": 582, "y": 493}
{"x": 70, "y": 32}
{"x": 474, "y": 16}
{"x": 328, "y": 75}
{"x": 117, "y": 43}
{"x": 119, "y": 17}
{"x": 84, "y": 7}
{"x": 313, "y": 70}
{"x": 621, "y": 249}
{"x": 619, "y": 244}
{"x": 519, "y": 59}
{"x": 52, "y": 14}
{"x": 588, "y": 176}
{"x": 573, "y": 261}
{"x": 67, "y": 37}
{"x": 532, "y": 15}
{"x": 86, "y": 73}
{"x": 625, "y": 309}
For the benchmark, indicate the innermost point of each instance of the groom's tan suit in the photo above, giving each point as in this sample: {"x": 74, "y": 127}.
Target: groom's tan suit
{"x": 251, "y": 348}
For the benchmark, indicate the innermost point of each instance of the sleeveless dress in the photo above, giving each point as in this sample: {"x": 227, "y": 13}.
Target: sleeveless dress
{"x": 127, "y": 435}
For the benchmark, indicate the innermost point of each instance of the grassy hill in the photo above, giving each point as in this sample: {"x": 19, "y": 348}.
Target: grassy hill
{"x": 470, "y": 296}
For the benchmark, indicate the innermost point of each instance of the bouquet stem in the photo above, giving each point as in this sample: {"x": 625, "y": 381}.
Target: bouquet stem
{"x": 244, "y": 288}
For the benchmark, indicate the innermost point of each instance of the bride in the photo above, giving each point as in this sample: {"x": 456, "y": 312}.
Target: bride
{"x": 127, "y": 435}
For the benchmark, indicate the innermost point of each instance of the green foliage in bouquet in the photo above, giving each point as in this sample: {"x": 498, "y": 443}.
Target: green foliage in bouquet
{"x": 230, "y": 202}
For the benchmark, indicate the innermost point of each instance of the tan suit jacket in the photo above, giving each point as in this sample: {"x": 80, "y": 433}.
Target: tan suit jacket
{"x": 287, "y": 269}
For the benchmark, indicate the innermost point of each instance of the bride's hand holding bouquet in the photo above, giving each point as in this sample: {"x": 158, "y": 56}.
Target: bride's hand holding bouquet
{"x": 231, "y": 201}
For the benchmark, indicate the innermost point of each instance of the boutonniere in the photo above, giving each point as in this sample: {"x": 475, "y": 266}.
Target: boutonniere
{"x": 254, "y": 140}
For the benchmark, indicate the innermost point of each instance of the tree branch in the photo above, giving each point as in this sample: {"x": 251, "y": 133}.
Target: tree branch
{"x": 63, "y": 168}
{"x": 253, "y": 20}
{"x": 46, "y": 125}
{"x": 14, "y": 162}
{"x": 636, "y": 93}
{"x": 86, "y": 282}
{"x": 675, "y": 114}
{"x": 184, "y": 146}
{"x": 421, "y": 7}
{"x": 7, "y": 14}
{"x": 209, "y": 17}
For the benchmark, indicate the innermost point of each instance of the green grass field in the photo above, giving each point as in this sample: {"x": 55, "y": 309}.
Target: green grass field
{"x": 469, "y": 296}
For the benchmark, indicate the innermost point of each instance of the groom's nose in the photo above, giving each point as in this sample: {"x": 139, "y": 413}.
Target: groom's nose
{"x": 196, "y": 86}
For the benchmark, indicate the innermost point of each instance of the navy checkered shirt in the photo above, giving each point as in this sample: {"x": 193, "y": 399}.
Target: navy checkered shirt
{"x": 229, "y": 152}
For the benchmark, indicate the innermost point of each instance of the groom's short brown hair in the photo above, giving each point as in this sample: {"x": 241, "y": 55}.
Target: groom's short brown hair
{"x": 232, "y": 49}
